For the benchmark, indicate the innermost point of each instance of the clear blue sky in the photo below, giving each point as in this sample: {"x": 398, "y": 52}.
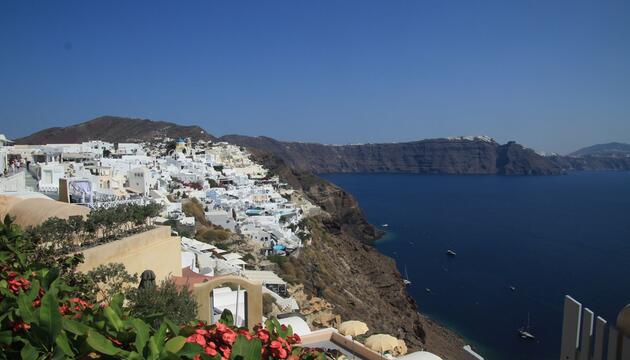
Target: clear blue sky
{"x": 553, "y": 75}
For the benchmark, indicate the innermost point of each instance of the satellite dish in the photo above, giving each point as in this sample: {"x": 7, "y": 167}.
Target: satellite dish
{"x": 623, "y": 321}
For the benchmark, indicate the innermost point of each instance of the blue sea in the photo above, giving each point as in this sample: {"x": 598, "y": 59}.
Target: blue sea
{"x": 545, "y": 236}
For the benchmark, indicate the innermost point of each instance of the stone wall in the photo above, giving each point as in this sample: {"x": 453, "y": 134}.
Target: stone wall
{"x": 153, "y": 250}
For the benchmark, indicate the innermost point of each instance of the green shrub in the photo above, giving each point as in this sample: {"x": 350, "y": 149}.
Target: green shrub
{"x": 109, "y": 280}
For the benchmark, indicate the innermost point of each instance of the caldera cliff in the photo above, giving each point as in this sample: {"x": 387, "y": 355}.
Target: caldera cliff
{"x": 458, "y": 156}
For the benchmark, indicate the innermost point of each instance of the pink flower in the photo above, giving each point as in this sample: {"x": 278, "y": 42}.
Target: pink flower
{"x": 225, "y": 350}
{"x": 203, "y": 332}
{"x": 245, "y": 333}
{"x": 210, "y": 351}
{"x": 277, "y": 350}
{"x": 263, "y": 335}
{"x": 229, "y": 337}
{"x": 221, "y": 327}
{"x": 196, "y": 339}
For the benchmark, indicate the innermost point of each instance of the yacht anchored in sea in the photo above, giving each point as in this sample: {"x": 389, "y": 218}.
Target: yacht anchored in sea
{"x": 406, "y": 280}
{"x": 525, "y": 331}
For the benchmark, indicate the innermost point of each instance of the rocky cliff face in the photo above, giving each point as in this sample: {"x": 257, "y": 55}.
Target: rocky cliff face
{"x": 341, "y": 266}
{"x": 114, "y": 129}
{"x": 435, "y": 156}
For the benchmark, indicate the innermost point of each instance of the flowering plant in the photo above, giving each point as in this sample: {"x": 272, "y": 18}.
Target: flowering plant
{"x": 223, "y": 341}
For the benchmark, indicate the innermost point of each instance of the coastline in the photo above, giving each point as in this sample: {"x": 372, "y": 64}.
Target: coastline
{"x": 439, "y": 338}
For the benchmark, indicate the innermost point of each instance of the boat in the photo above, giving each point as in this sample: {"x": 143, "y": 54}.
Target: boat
{"x": 385, "y": 225}
{"x": 525, "y": 331}
{"x": 513, "y": 288}
{"x": 450, "y": 252}
{"x": 406, "y": 280}
{"x": 427, "y": 290}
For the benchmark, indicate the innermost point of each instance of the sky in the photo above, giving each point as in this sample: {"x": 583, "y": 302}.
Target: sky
{"x": 552, "y": 75}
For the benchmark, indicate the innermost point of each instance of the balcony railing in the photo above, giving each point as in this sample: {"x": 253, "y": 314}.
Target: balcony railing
{"x": 587, "y": 337}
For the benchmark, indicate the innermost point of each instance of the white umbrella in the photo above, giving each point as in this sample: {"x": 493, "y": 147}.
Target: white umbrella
{"x": 381, "y": 342}
{"x": 353, "y": 328}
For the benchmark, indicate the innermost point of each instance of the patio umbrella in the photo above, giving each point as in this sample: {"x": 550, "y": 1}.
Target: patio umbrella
{"x": 401, "y": 348}
{"x": 353, "y": 328}
{"x": 381, "y": 342}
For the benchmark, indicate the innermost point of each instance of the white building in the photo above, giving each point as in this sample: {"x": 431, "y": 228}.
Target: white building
{"x": 48, "y": 176}
{"x": 139, "y": 180}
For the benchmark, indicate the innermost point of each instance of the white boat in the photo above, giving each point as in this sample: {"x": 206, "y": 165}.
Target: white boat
{"x": 451, "y": 252}
{"x": 385, "y": 225}
{"x": 525, "y": 332}
{"x": 406, "y": 280}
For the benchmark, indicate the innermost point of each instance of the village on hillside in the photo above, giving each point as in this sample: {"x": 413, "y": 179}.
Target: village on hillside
{"x": 224, "y": 225}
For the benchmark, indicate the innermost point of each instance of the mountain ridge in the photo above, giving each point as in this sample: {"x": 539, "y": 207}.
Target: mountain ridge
{"x": 611, "y": 149}
{"x": 114, "y": 129}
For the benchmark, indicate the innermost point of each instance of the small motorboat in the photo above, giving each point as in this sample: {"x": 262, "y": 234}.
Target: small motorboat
{"x": 427, "y": 290}
{"x": 513, "y": 288}
{"x": 450, "y": 252}
{"x": 385, "y": 225}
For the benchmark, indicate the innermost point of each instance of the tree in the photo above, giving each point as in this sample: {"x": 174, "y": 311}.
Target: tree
{"x": 154, "y": 303}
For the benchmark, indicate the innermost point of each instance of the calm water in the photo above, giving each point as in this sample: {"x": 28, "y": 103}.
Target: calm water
{"x": 546, "y": 236}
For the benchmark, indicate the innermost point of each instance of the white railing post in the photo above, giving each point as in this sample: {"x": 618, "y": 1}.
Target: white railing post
{"x": 570, "y": 329}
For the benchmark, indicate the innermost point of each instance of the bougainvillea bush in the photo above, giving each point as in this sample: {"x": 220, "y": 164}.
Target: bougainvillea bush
{"x": 42, "y": 318}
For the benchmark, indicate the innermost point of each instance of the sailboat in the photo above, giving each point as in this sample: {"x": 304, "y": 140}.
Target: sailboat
{"x": 525, "y": 332}
{"x": 406, "y": 280}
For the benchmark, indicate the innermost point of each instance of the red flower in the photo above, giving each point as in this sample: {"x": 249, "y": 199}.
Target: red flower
{"x": 245, "y": 333}
{"x": 277, "y": 350}
{"x": 64, "y": 309}
{"x": 263, "y": 335}
{"x": 295, "y": 339}
{"x": 229, "y": 337}
{"x": 197, "y": 339}
{"x": 25, "y": 284}
{"x": 225, "y": 350}
{"x": 15, "y": 286}
{"x": 203, "y": 332}
{"x": 115, "y": 341}
{"x": 20, "y": 325}
{"x": 37, "y": 303}
{"x": 210, "y": 351}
